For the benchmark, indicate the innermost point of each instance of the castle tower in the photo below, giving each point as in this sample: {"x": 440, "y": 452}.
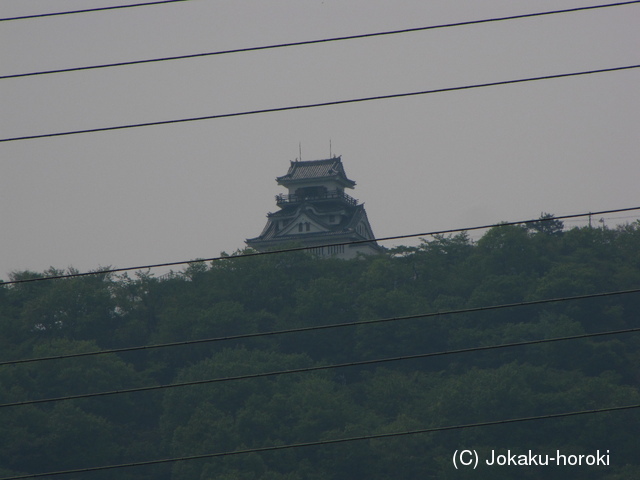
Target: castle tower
{"x": 316, "y": 212}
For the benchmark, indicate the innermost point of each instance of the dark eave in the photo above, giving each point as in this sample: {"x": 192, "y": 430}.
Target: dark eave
{"x": 302, "y": 172}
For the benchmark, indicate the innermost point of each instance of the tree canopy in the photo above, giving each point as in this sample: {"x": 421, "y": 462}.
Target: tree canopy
{"x": 450, "y": 280}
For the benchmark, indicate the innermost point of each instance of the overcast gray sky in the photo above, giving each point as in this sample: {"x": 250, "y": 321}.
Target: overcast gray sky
{"x": 191, "y": 190}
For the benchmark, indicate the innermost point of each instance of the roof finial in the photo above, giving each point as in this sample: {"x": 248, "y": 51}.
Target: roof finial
{"x": 300, "y": 149}
{"x": 330, "y": 155}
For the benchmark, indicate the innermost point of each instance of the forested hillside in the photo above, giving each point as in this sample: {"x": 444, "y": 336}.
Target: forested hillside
{"x": 447, "y": 280}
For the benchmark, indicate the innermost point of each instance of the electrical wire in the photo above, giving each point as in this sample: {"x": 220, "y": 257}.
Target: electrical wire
{"x": 299, "y": 249}
{"x": 333, "y": 441}
{"x": 88, "y": 10}
{"x": 321, "y": 327}
{"x": 312, "y": 42}
{"x": 320, "y": 104}
{"x": 316, "y": 368}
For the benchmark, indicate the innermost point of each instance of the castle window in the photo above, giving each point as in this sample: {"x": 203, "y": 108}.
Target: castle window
{"x": 335, "y": 249}
{"x": 308, "y": 226}
{"x": 300, "y": 227}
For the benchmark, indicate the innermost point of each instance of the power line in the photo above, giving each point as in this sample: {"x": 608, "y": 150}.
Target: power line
{"x": 321, "y": 104}
{"x": 330, "y": 441}
{"x": 312, "y": 42}
{"x": 87, "y": 10}
{"x": 360, "y": 363}
{"x": 321, "y": 327}
{"x": 298, "y": 249}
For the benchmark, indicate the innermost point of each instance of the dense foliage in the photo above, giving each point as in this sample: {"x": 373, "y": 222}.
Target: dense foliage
{"x": 236, "y": 296}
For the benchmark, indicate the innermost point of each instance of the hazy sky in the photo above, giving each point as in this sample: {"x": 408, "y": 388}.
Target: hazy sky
{"x": 191, "y": 190}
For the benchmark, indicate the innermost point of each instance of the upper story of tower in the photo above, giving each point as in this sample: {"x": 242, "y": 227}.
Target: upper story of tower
{"x": 315, "y": 180}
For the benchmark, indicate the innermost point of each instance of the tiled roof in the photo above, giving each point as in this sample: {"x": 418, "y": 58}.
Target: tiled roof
{"x": 331, "y": 167}
{"x": 345, "y": 227}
